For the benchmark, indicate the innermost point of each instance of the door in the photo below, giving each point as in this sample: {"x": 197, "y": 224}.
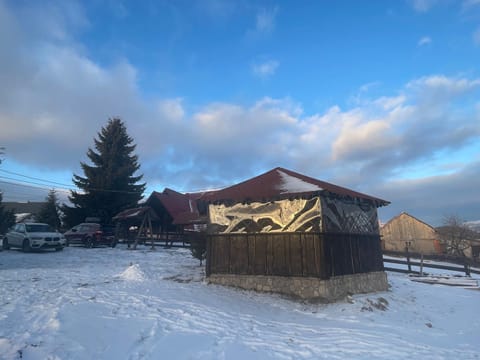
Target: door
{"x": 17, "y": 236}
{"x": 74, "y": 235}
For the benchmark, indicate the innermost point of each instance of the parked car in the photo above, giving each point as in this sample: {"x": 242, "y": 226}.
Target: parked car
{"x": 91, "y": 234}
{"x": 33, "y": 236}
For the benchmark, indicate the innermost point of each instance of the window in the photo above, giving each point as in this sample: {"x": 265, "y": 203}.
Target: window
{"x": 39, "y": 228}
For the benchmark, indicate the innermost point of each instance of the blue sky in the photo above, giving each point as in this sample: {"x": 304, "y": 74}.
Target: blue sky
{"x": 379, "y": 96}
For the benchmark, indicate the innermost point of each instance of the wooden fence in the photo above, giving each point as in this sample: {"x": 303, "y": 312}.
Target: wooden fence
{"x": 421, "y": 265}
{"x": 171, "y": 239}
{"x": 319, "y": 255}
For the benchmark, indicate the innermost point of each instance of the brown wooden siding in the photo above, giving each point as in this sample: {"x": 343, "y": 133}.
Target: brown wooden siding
{"x": 403, "y": 229}
{"x": 293, "y": 254}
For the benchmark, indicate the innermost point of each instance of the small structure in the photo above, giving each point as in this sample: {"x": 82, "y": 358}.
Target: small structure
{"x": 286, "y": 232}
{"x": 140, "y": 220}
{"x": 406, "y": 231}
{"x": 177, "y": 213}
{"x": 24, "y": 211}
{"x": 168, "y": 216}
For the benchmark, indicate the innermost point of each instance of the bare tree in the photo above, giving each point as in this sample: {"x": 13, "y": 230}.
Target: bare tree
{"x": 455, "y": 235}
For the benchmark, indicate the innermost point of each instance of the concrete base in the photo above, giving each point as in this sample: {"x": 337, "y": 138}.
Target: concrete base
{"x": 308, "y": 288}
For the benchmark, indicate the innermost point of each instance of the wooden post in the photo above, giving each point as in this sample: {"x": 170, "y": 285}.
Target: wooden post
{"x": 407, "y": 244}
{"x": 421, "y": 265}
{"x": 149, "y": 221}
{"x": 467, "y": 268}
{"x": 208, "y": 257}
{"x": 164, "y": 226}
{"x": 139, "y": 233}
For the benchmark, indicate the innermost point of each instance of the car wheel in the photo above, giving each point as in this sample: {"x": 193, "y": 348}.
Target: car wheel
{"x": 89, "y": 242}
{"x": 60, "y": 248}
{"x": 113, "y": 243}
{"x": 26, "y": 246}
{"x": 5, "y": 244}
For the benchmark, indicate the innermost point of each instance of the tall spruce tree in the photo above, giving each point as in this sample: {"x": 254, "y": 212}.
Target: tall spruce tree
{"x": 109, "y": 185}
{"x": 49, "y": 213}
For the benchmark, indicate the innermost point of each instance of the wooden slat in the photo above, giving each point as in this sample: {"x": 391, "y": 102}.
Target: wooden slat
{"x": 293, "y": 254}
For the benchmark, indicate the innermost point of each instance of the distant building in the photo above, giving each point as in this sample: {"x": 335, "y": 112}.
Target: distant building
{"x": 24, "y": 211}
{"x": 406, "y": 230}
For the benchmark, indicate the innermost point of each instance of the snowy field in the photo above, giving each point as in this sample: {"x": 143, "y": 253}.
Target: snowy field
{"x": 118, "y": 304}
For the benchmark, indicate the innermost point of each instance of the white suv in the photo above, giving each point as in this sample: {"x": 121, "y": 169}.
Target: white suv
{"x": 33, "y": 236}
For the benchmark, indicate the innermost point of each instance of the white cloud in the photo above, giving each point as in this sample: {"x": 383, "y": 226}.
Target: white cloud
{"x": 171, "y": 109}
{"x": 367, "y": 87}
{"x": 265, "y": 20}
{"x": 423, "y": 6}
{"x": 389, "y": 103}
{"x": 362, "y": 139}
{"x": 425, "y": 40}
{"x": 265, "y": 69}
{"x": 438, "y": 88}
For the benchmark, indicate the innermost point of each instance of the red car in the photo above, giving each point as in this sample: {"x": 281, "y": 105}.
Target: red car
{"x": 91, "y": 235}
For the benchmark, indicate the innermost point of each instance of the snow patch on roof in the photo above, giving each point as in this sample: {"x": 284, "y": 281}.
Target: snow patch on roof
{"x": 21, "y": 217}
{"x": 291, "y": 184}
{"x": 134, "y": 214}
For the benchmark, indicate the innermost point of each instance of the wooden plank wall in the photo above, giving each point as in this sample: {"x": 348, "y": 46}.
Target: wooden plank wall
{"x": 422, "y": 238}
{"x": 293, "y": 254}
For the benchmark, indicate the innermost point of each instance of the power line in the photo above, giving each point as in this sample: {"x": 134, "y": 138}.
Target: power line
{"x": 33, "y": 178}
{"x": 64, "y": 190}
{"x": 28, "y": 182}
{"x": 31, "y": 186}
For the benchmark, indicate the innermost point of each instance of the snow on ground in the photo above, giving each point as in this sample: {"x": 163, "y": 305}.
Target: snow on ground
{"x": 119, "y": 304}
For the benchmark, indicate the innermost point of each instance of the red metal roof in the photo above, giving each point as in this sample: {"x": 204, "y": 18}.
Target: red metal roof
{"x": 135, "y": 214}
{"x": 181, "y": 207}
{"x": 173, "y": 201}
{"x": 282, "y": 183}
{"x": 278, "y": 183}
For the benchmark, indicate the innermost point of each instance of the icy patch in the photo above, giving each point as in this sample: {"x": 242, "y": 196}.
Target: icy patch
{"x": 133, "y": 273}
{"x": 291, "y": 184}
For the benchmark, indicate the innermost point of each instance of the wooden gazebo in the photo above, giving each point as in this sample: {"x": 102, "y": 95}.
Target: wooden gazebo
{"x": 137, "y": 222}
{"x": 286, "y": 232}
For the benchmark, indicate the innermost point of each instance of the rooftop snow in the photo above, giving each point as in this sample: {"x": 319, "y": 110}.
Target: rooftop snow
{"x": 291, "y": 184}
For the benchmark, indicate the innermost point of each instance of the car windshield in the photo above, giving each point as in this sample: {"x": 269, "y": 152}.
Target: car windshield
{"x": 39, "y": 228}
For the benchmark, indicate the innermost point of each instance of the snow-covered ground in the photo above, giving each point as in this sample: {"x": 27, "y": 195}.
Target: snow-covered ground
{"x": 119, "y": 304}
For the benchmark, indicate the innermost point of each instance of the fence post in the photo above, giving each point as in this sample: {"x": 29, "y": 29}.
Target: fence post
{"x": 421, "y": 266}
{"x": 407, "y": 244}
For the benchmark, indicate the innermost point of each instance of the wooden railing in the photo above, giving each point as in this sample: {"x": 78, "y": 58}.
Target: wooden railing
{"x": 466, "y": 268}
